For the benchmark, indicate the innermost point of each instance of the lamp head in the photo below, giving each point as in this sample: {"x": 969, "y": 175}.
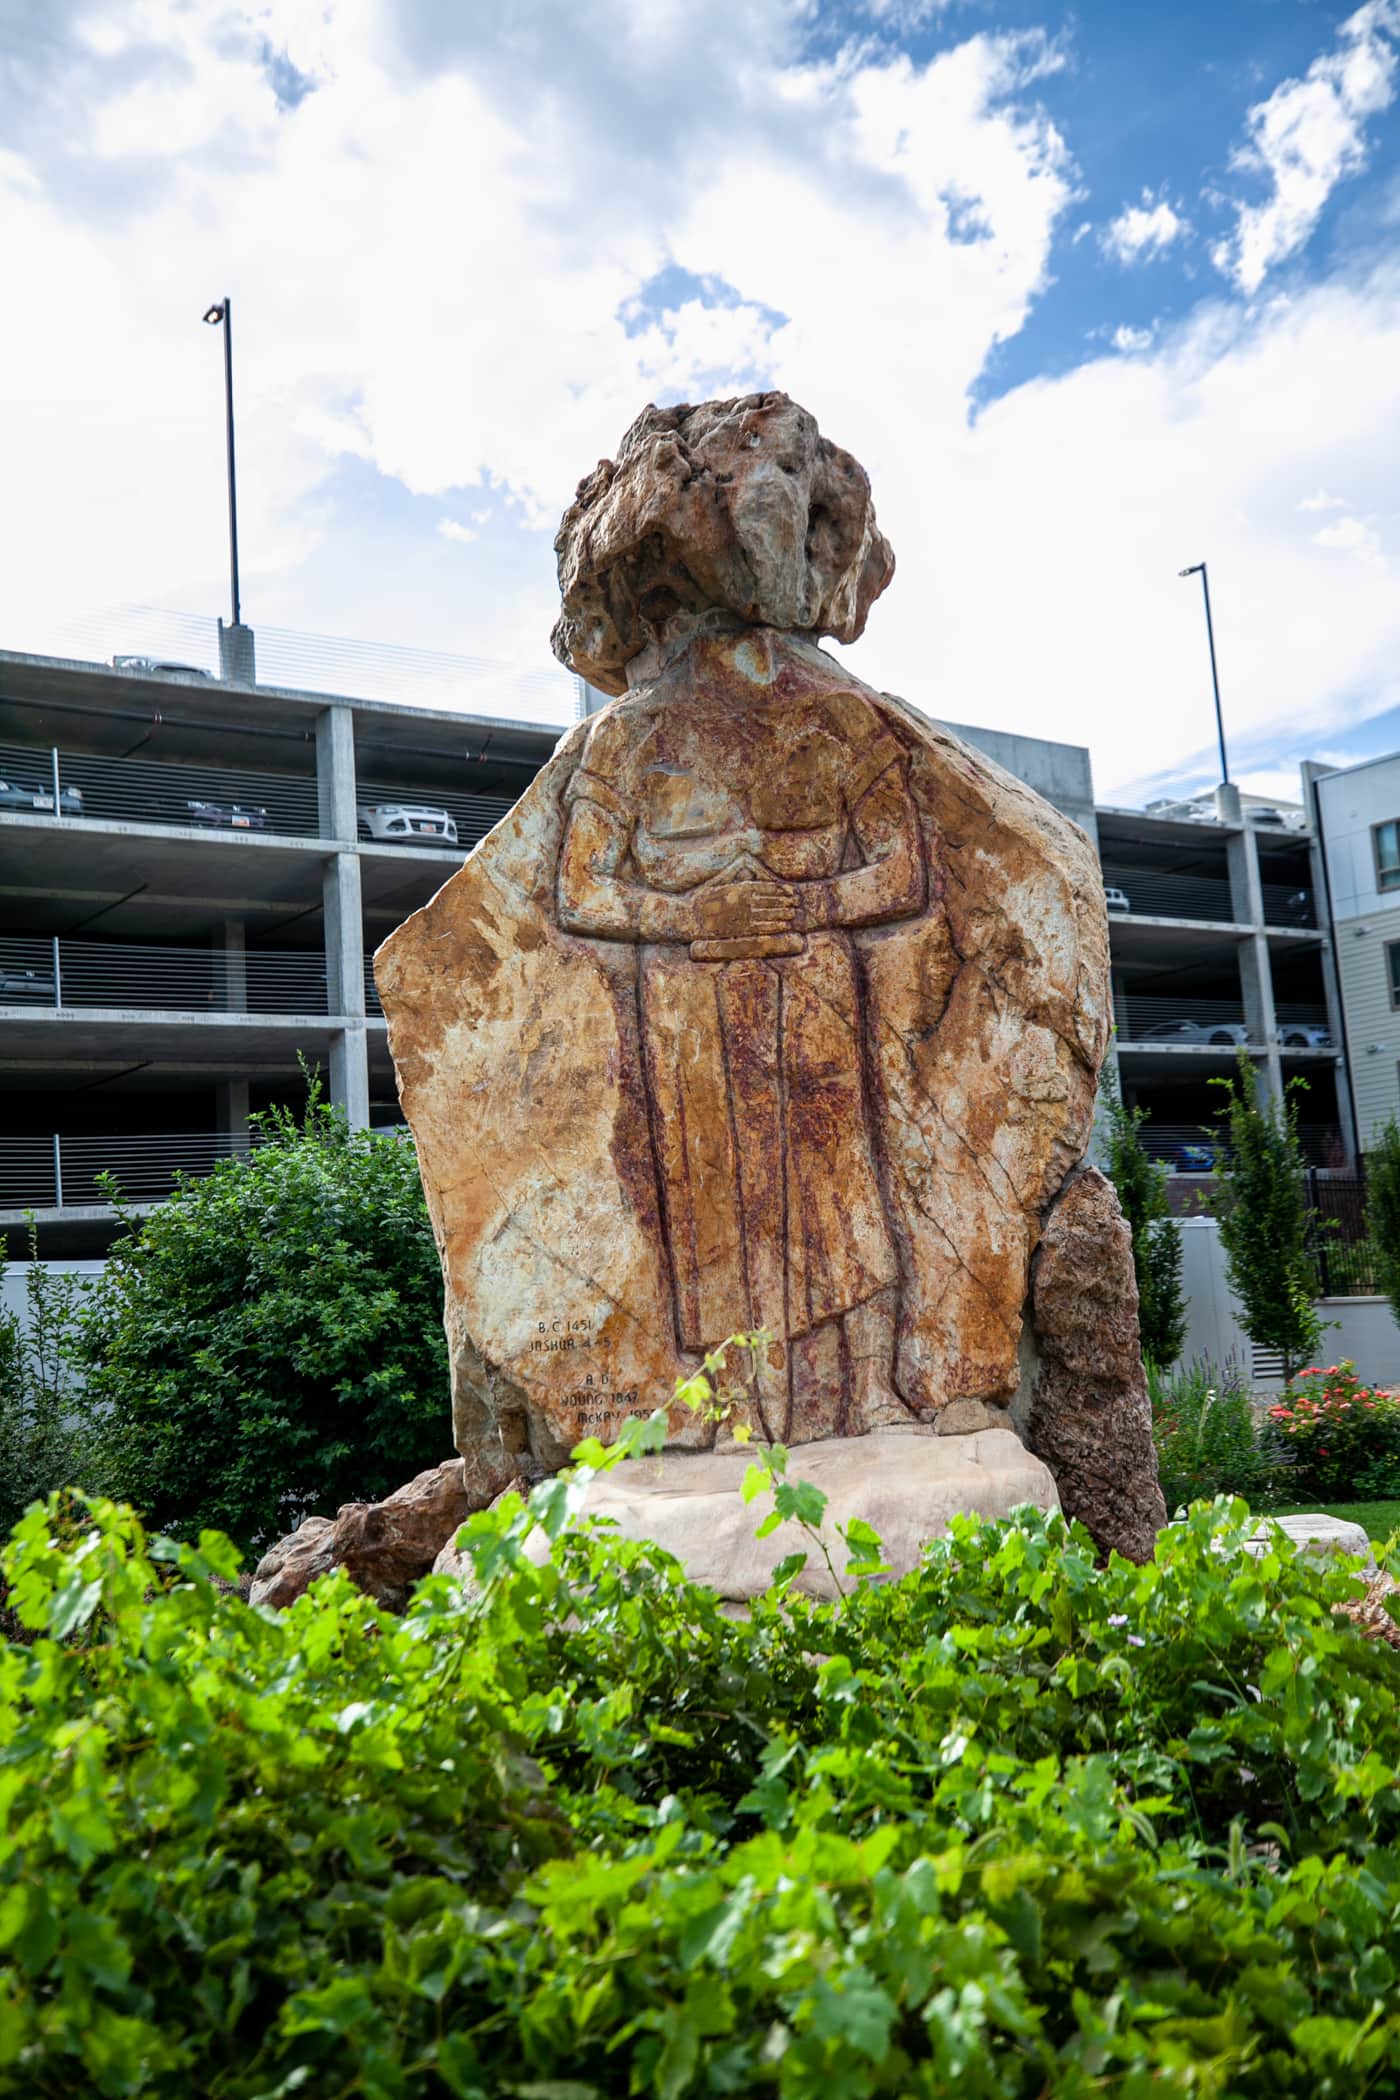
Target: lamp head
{"x": 214, "y": 314}
{"x": 1194, "y": 570}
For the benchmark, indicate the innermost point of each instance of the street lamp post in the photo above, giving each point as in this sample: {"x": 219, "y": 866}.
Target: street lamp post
{"x": 1198, "y": 568}
{"x": 235, "y": 641}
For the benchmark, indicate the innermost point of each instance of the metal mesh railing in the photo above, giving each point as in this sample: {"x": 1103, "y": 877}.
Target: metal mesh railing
{"x": 63, "y": 973}
{"x": 1195, "y": 1148}
{"x": 311, "y": 663}
{"x": 1154, "y": 893}
{"x": 1149, "y": 1018}
{"x": 1288, "y": 907}
{"x": 58, "y": 1173}
{"x": 1146, "y": 1018}
{"x": 136, "y": 790}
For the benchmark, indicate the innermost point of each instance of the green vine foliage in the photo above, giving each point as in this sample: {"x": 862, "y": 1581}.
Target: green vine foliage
{"x": 1141, "y": 1183}
{"x": 269, "y": 1342}
{"x": 1016, "y": 1825}
{"x": 1266, "y": 1220}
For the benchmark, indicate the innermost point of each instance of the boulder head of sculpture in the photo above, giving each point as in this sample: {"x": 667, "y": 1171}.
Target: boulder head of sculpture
{"x": 739, "y": 507}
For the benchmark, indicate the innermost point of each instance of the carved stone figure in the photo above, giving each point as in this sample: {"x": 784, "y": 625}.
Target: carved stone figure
{"x": 769, "y": 1006}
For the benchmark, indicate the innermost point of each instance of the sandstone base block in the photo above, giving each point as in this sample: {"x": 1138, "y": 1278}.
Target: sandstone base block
{"x": 906, "y": 1485}
{"x": 1318, "y": 1533}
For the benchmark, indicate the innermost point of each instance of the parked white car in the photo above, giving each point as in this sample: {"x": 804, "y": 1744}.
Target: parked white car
{"x": 406, "y": 823}
{"x": 1116, "y": 899}
{"x": 1217, "y": 1032}
{"x": 161, "y": 667}
{"x": 1305, "y": 1035}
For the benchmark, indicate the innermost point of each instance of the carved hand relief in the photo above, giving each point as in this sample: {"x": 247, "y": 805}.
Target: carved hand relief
{"x": 770, "y": 1005}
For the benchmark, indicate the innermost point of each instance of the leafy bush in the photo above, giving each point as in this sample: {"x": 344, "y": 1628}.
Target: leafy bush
{"x": 1015, "y": 1825}
{"x": 48, "y": 1430}
{"x": 1383, "y": 1209}
{"x": 1266, "y": 1221}
{"x": 1206, "y": 1437}
{"x": 270, "y": 1340}
{"x": 1343, "y": 1437}
{"x": 1141, "y": 1183}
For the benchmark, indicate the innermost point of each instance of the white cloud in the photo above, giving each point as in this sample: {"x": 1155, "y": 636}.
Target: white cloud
{"x": 1320, "y": 500}
{"x": 1130, "y": 339}
{"x": 1143, "y": 230}
{"x": 1308, "y": 136}
{"x": 444, "y": 263}
{"x": 452, "y": 530}
{"x": 1352, "y": 536}
{"x": 435, "y": 268}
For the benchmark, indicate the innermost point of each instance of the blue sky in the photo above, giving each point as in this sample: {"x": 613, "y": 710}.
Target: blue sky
{"x": 1093, "y": 291}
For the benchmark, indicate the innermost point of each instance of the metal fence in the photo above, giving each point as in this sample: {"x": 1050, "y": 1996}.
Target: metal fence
{"x": 1146, "y": 1019}
{"x": 63, "y": 973}
{"x": 233, "y": 803}
{"x": 1156, "y": 893}
{"x": 56, "y": 1173}
{"x": 1162, "y": 893}
{"x": 1195, "y": 1148}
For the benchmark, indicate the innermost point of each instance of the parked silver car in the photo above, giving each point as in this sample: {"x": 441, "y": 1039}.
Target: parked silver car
{"x": 161, "y": 667}
{"x": 1116, "y": 899}
{"x": 408, "y": 823}
{"x": 29, "y": 794}
{"x": 1220, "y": 1033}
{"x": 1305, "y": 1035}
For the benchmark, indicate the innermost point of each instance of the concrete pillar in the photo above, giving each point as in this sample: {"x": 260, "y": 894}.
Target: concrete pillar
{"x": 1256, "y": 970}
{"x": 350, "y": 1075}
{"x": 237, "y": 655}
{"x": 231, "y": 1111}
{"x": 234, "y": 949}
{"x": 335, "y": 773}
{"x": 345, "y": 985}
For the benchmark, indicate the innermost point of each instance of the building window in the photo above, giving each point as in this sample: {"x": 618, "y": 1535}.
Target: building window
{"x": 1386, "y": 838}
{"x": 1392, "y": 970}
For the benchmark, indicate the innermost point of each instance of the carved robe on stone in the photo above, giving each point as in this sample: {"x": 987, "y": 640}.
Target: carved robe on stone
{"x": 735, "y": 826}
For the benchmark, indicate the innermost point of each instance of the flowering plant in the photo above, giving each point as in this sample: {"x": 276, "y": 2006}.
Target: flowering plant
{"x": 1344, "y": 1436}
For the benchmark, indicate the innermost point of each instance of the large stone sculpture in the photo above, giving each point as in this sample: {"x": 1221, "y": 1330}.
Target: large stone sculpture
{"x": 770, "y": 1006}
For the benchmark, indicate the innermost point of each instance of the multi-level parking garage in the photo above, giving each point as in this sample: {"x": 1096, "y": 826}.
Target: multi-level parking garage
{"x": 193, "y": 878}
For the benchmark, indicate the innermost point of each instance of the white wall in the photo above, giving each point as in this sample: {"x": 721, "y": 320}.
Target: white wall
{"x": 14, "y": 1284}
{"x": 1351, "y": 802}
{"x": 1363, "y": 1328}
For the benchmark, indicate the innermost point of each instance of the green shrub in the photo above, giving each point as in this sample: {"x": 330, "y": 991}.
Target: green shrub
{"x": 1016, "y": 1825}
{"x": 1206, "y": 1437}
{"x": 270, "y": 1340}
{"x": 1141, "y": 1185}
{"x": 1342, "y": 1437}
{"x": 1383, "y": 1209}
{"x": 1267, "y": 1224}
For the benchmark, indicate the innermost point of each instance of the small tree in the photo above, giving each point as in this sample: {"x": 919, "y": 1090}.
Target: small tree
{"x": 1266, "y": 1220}
{"x": 269, "y": 1342}
{"x": 1383, "y": 1209}
{"x": 1141, "y": 1182}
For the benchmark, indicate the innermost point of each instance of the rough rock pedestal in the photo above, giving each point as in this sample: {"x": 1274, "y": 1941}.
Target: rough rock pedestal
{"x": 771, "y": 1005}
